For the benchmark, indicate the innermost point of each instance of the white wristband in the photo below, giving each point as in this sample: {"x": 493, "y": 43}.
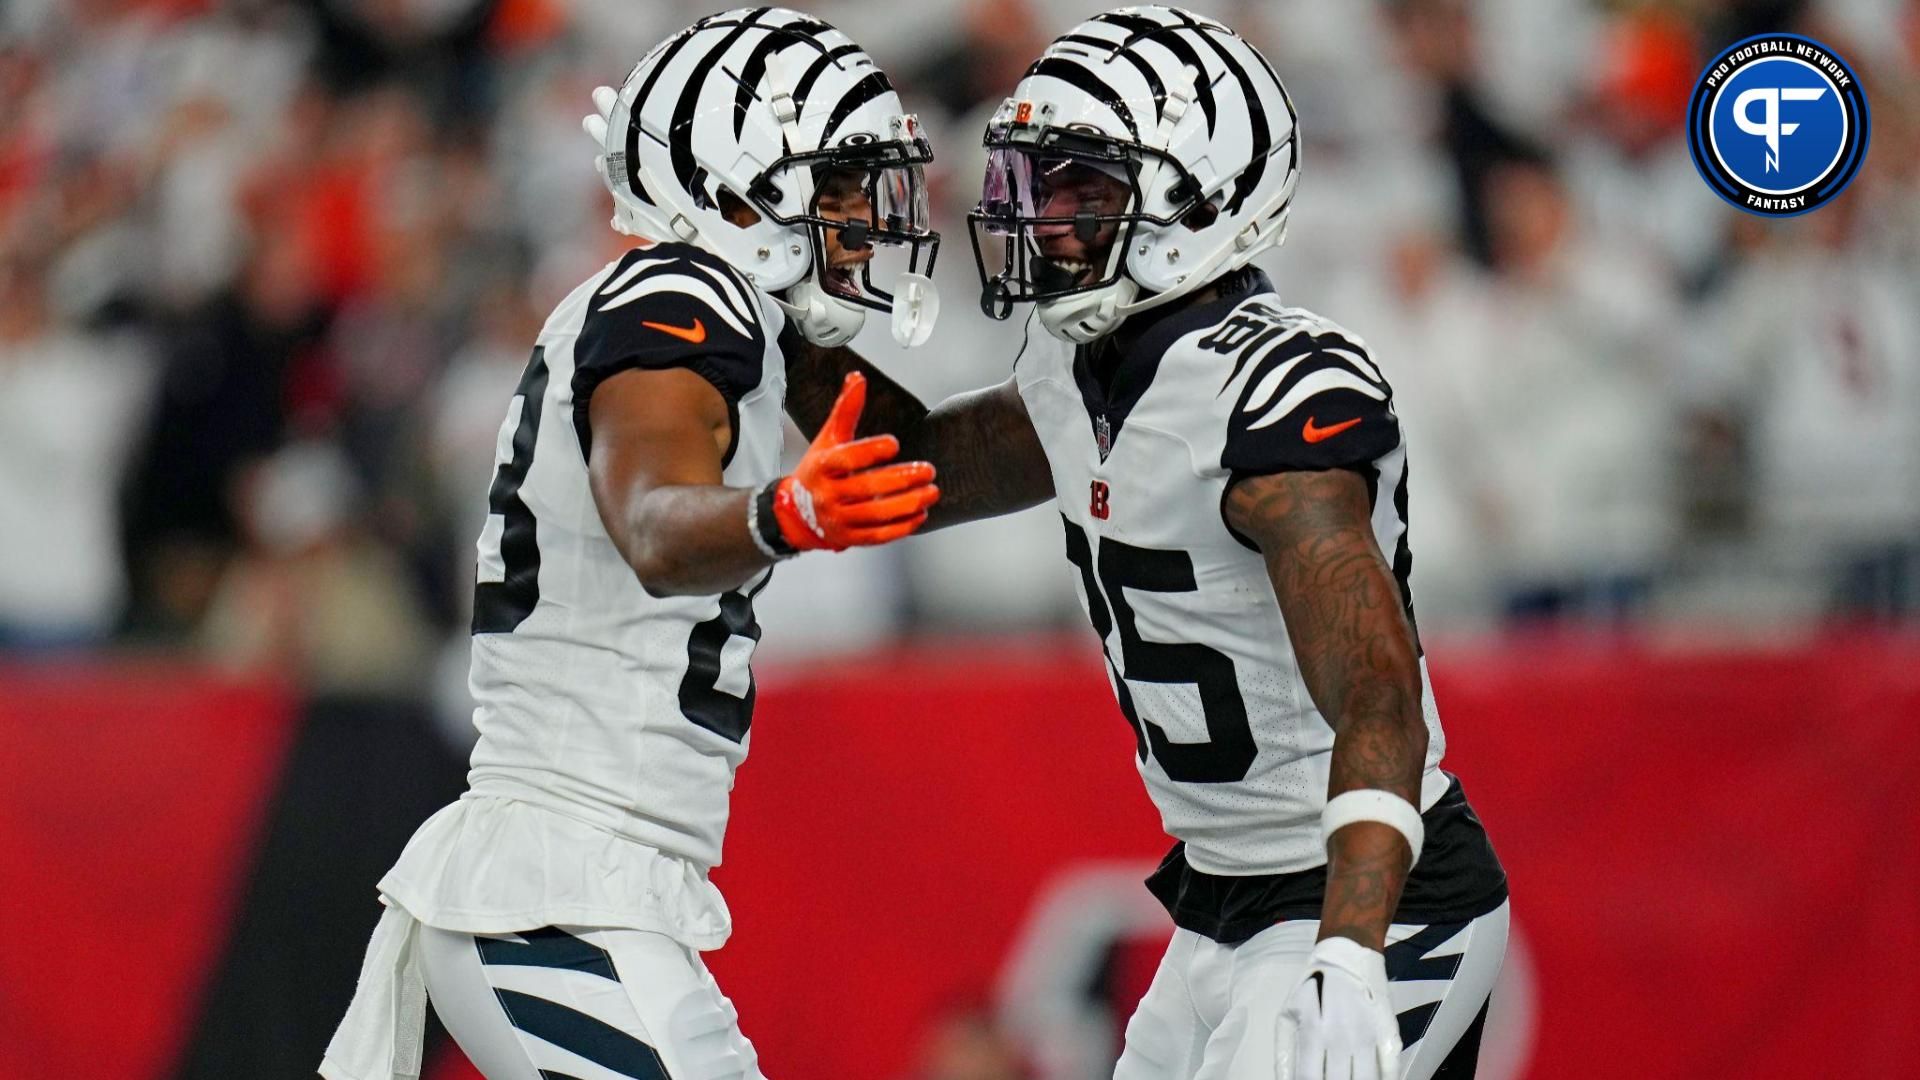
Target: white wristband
{"x": 1372, "y": 804}
{"x": 763, "y": 529}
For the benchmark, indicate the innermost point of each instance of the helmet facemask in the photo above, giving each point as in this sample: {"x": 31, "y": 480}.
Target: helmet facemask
{"x": 761, "y": 102}
{"x": 867, "y": 218}
{"x": 1184, "y": 111}
{"x": 1059, "y": 209}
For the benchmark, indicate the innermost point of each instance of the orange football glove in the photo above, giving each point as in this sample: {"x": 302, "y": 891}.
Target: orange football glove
{"x": 843, "y": 493}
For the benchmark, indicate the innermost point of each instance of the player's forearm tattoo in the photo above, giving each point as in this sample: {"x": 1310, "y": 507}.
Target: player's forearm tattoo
{"x": 1346, "y": 620}
{"x": 982, "y": 443}
{"x": 989, "y": 459}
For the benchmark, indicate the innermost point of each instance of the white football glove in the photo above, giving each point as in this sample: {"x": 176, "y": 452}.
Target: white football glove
{"x": 595, "y": 122}
{"x": 1338, "y": 1023}
{"x": 595, "y": 125}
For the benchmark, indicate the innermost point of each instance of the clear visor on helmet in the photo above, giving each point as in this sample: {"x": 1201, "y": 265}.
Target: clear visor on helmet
{"x": 869, "y": 219}
{"x": 1025, "y": 183}
{"x": 1050, "y": 223}
{"x": 873, "y": 224}
{"x": 900, "y": 200}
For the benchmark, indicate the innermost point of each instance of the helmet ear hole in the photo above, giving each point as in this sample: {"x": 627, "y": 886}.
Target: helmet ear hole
{"x": 737, "y": 211}
{"x": 1201, "y": 216}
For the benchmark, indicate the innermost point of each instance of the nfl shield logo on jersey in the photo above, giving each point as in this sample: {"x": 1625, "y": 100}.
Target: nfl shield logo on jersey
{"x": 1103, "y": 435}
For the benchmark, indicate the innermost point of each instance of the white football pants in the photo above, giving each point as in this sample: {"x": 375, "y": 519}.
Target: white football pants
{"x": 578, "y": 1002}
{"x": 1212, "y": 1011}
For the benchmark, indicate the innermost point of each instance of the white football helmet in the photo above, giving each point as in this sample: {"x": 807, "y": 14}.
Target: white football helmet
{"x": 752, "y": 102}
{"x": 1191, "y": 121}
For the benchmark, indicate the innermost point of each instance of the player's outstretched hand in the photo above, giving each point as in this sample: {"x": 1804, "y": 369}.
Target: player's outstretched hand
{"x": 1338, "y": 1021}
{"x": 844, "y": 493}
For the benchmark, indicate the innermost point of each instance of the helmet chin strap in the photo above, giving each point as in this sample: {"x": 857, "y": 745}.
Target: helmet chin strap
{"x": 916, "y": 305}
{"x": 1084, "y": 317}
{"x": 828, "y": 320}
{"x": 823, "y": 318}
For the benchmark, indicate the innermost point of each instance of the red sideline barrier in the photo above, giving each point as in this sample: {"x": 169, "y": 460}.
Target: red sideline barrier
{"x": 130, "y": 798}
{"x": 1715, "y": 858}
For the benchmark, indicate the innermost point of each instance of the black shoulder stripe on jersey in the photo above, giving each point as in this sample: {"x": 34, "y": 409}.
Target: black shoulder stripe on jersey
{"x": 1073, "y": 73}
{"x": 745, "y": 290}
{"x": 698, "y": 288}
{"x": 1163, "y": 34}
{"x": 868, "y": 88}
{"x": 674, "y": 284}
{"x": 1244, "y": 184}
{"x": 730, "y": 293}
{"x": 1356, "y": 357}
{"x": 1332, "y": 427}
{"x": 1296, "y": 357}
{"x": 680, "y": 145}
{"x": 1251, "y": 352}
{"x": 689, "y": 318}
{"x": 830, "y": 58}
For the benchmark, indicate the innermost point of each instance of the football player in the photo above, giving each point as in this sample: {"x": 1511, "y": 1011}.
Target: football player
{"x": 1232, "y": 482}
{"x": 555, "y": 914}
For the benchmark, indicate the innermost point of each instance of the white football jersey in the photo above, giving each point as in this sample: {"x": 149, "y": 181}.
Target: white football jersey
{"x": 1232, "y": 749}
{"x": 626, "y": 709}
{"x": 608, "y": 714}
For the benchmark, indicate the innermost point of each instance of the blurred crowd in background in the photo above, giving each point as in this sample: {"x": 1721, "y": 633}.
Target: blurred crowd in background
{"x": 269, "y": 270}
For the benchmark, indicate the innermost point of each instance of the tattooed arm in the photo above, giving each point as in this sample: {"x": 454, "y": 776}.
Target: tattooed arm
{"x": 1345, "y": 617}
{"x": 982, "y": 444}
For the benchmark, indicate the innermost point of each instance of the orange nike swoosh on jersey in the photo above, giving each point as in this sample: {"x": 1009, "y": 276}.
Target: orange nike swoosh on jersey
{"x": 696, "y": 333}
{"x": 1316, "y": 434}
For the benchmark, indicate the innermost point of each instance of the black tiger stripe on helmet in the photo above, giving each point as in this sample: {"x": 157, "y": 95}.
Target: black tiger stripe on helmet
{"x": 830, "y": 58}
{"x": 868, "y": 88}
{"x": 1247, "y": 181}
{"x": 1117, "y": 92}
{"x": 713, "y": 104}
{"x": 690, "y": 93}
{"x": 1155, "y": 84}
{"x": 1144, "y": 29}
{"x": 803, "y": 30}
{"x": 1069, "y": 70}
{"x": 668, "y": 53}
